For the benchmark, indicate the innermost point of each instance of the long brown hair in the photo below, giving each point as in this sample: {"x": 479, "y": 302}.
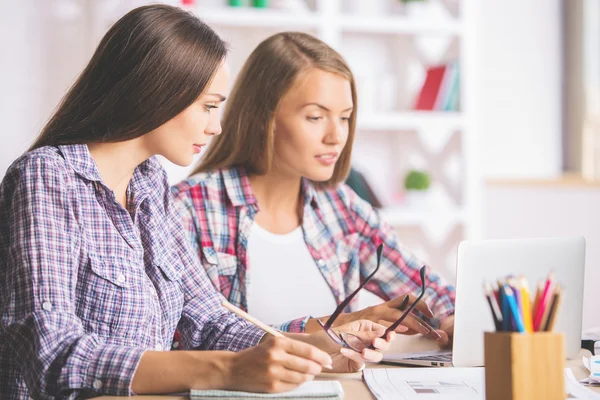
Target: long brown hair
{"x": 247, "y": 137}
{"x": 153, "y": 63}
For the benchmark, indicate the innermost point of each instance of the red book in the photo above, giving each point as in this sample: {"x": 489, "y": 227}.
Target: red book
{"x": 431, "y": 87}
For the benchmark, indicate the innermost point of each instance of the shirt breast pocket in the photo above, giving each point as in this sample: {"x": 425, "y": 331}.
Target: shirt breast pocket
{"x": 221, "y": 268}
{"x": 347, "y": 252}
{"x": 113, "y": 302}
{"x": 168, "y": 286}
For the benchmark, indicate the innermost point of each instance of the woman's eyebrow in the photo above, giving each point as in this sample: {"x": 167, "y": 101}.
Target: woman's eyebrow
{"x": 217, "y": 95}
{"x": 325, "y": 108}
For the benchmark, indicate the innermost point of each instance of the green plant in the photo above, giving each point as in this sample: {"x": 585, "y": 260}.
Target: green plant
{"x": 417, "y": 180}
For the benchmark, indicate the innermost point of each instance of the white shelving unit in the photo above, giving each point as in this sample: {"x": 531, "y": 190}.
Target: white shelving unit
{"x": 398, "y": 26}
{"x": 387, "y": 45}
{"x": 248, "y": 17}
{"x": 410, "y": 216}
{"x": 407, "y": 120}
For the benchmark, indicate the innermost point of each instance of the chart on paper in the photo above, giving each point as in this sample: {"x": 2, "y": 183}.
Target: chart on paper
{"x": 426, "y": 383}
{"x": 442, "y": 387}
{"x": 446, "y": 384}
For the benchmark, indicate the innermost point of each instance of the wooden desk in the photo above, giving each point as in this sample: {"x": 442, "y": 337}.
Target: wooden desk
{"x": 356, "y": 389}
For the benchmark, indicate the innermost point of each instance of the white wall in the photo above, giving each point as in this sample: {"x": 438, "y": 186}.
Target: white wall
{"x": 519, "y": 94}
{"x": 21, "y": 78}
{"x": 551, "y": 210}
{"x": 519, "y": 87}
{"x": 44, "y": 48}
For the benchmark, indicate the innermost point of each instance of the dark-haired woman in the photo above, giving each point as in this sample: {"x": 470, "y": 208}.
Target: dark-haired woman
{"x": 95, "y": 272}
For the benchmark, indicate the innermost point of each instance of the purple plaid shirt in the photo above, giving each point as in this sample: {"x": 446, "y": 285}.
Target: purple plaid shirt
{"x": 86, "y": 286}
{"x": 341, "y": 231}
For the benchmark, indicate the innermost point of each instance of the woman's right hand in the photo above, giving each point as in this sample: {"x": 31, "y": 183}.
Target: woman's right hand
{"x": 275, "y": 365}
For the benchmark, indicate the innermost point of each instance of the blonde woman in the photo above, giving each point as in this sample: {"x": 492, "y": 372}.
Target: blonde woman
{"x": 277, "y": 231}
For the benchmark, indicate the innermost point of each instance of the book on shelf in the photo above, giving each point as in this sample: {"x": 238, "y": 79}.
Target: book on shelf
{"x": 441, "y": 88}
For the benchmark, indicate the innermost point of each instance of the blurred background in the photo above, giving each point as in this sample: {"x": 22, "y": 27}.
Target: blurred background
{"x": 477, "y": 118}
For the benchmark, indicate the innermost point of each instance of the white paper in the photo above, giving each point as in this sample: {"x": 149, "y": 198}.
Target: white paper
{"x": 426, "y": 383}
{"x": 576, "y": 390}
{"x": 593, "y": 366}
{"x": 308, "y": 390}
{"x": 446, "y": 384}
{"x": 586, "y": 363}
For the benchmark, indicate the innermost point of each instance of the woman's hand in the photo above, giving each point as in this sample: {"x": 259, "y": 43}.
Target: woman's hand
{"x": 389, "y": 312}
{"x": 275, "y": 365}
{"x": 347, "y": 360}
{"x": 446, "y": 331}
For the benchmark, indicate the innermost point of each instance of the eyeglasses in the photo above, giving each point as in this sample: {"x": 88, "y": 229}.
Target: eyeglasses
{"x": 351, "y": 341}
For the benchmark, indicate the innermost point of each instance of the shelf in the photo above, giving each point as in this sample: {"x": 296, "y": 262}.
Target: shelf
{"x": 247, "y": 17}
{"x": 566, "y": 181}
{"x": 399, "y": 25}
{"x": 410, "y": 216}
{"x": 409, "y": 120}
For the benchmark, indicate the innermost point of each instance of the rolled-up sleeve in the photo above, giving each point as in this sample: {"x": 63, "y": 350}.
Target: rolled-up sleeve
{"x": 42, "y": 239}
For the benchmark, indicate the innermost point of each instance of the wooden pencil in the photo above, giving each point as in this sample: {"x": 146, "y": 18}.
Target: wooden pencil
{"x": 251, "y": 319}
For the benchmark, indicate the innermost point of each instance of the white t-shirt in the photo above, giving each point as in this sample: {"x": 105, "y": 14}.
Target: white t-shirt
{"x": 284, "y": 281}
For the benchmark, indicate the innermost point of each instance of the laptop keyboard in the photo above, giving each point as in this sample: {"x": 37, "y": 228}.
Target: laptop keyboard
{"x": 437, "y": 357}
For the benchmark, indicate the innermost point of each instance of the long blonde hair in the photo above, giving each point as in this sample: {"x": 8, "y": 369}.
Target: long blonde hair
{"x": 247, "y": 139}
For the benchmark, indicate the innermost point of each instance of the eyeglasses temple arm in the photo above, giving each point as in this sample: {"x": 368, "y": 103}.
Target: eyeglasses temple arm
{"x": 403, "y": 317}
{"x": 348, "y": 299}
{"x": 412, "y": 306}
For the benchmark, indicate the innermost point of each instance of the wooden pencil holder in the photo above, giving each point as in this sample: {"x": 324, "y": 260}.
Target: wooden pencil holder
{"x": 524, "y": 366}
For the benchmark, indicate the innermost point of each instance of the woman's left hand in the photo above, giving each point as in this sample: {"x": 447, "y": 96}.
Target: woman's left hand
{"x": 347, "y": 360}
{"x": 446, "y": 331}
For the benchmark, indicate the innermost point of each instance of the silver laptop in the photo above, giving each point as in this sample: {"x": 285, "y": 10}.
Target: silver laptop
{"x": 488, "y": 260}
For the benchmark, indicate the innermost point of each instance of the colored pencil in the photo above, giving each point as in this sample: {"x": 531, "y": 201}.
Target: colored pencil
{"x": 543, "y": 303}
{"x": 526, "y": 305}
{"x": 556, "y": 300}
{"x": 536, "y": 302}
{"x": 495, "y": 309}
{"x": 508, "y": 292}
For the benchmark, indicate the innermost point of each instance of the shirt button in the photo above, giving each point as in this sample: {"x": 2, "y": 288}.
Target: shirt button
{"x": 121, "y": 278}
{"x": 320, "y": 262}
{"x": 47, "y": 306}
{"x": 158, "y": 347}
{"x": 97, "y": 384}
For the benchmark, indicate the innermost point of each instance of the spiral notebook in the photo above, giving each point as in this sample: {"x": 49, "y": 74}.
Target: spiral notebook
{"x": 322, "y": 390}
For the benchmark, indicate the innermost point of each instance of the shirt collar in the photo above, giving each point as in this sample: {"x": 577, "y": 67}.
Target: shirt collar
{"x": 237, "y": 185}
{"x": 310, "y": 193}
{"x": 79, "y": 158}
{"x": 239, "y": 191}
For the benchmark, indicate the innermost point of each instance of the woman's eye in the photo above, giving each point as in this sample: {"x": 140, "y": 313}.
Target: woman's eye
{"x": 346, "y": 119}
{"x": 314, "y": 118}
{"x": 210, "y": 107}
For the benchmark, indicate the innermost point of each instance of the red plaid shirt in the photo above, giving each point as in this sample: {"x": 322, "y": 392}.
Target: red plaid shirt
{"x": 341, "y": 231}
